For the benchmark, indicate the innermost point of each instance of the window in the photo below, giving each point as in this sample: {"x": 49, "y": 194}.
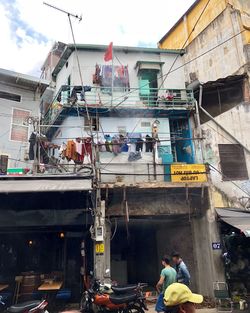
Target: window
{"x": 233, "y": 163}
{"x": 19, "y": 125}
{"x": 10, "y": 96}
{"x": 145, "y": 124}
{"x": 93, "y": 121}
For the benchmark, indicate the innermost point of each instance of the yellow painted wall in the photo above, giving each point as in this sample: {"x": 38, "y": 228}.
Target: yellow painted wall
{"x": 178, "y": 36}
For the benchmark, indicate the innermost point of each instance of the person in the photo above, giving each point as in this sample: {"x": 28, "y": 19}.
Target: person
{"x": 183, "y": 275}
{"x": 178, "y": 298}
{"x": 167, "y": 277}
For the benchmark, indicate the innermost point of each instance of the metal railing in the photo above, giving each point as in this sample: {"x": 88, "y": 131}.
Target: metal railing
{"x": 133, "y": 98}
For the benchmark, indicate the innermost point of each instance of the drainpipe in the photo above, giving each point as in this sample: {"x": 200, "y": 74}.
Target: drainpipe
{"x": 218, "y": 124}
{"x": 199, "y": 125}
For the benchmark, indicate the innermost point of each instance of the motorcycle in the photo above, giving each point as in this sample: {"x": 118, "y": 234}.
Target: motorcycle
{"x": 117, "y": 299}
{"x": 36, "y": 306}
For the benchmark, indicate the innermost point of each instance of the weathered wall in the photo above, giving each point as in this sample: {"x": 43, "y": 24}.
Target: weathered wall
{"x": 177, "y": 236}
{"x": 88, "y": 60}
{"x": 223, "y": 61}
{"x": 157, "y": 202}
{"x": 14, "y": 149}
{"x": 208, "y": 264}
{"x": 178, "y": 36}
{"x": 236, "y": 121}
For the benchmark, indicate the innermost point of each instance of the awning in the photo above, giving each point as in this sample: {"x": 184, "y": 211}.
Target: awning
{"x": 236, "y": 218}
{"x": 44, "y": 185}
{"x": 148, "y": 65}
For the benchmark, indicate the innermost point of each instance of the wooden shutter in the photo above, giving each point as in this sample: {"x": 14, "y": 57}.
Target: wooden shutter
{"x": 3, "y": 164}
{"x": 232, "y": 161}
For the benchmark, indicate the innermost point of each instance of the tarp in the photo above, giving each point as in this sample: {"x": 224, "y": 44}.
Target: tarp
{"x": 44, "y": 185}
{"x": 237, "y": 218}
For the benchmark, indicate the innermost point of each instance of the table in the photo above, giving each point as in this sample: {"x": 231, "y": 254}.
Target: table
{"x": 53, "y": 286}
{"x": 50, "y": 289}
{"x": 4, "y": 286}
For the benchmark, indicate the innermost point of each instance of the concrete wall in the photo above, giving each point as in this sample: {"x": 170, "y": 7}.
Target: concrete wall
{"x": 184, "y": 28}
{"x": 236, "y": 121}
{"x": 14, "y": 149}
{"x": 223, "y": 61}
{"x": 73, "y": 127}
{"x": 88, "y": 60}
{"x": 180, "y": 33}
{"x": 177, "y": 236}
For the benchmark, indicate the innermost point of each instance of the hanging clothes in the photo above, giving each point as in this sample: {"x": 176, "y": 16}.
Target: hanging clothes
{"x": 44, "y": 149}
{"x": 78, "y": 143}
{"x": 70, "y": 150}
{"x": 116, "y": 147}
{"x": 87, "y": 148}
{"x": 97, "y": 76}
{"x": 32, "y": 146}
{"x": 149, "y": 143}
{"x": 139, "y": 144}
{"x": 101, "y": 146}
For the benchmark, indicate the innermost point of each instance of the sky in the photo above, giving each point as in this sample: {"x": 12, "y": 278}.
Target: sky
{"x": 29, "y": 28}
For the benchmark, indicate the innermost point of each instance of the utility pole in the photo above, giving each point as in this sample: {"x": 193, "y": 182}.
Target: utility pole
{"x": 100, "y": 230}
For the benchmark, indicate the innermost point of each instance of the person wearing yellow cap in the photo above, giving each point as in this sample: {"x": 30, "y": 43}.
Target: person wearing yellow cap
{"x": 178, "y": 298}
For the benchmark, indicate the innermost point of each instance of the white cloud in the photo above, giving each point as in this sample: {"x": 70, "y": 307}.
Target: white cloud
{"x": 127, "y": 22}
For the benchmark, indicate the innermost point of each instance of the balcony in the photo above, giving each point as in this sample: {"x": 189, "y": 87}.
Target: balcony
{"x": 99, "y": 99}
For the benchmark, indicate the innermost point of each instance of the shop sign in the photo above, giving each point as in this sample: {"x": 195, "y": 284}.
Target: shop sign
{"x": 216, "y": 245}
{"x": 188, "y": 173}
{"x": 99, "y": 248}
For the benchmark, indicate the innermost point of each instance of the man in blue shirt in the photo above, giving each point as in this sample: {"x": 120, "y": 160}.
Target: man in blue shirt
{"x": 183, "y": 275}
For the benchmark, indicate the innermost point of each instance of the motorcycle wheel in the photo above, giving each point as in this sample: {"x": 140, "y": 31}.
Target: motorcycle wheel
{"x": 134, "y": 309}
{"x": 85, "y": 306}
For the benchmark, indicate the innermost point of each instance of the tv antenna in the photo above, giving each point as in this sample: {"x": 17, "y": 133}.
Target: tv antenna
{"x": 63, "y": 11}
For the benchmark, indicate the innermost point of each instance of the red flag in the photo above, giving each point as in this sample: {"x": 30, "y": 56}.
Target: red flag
{"x": 109, "y": 53}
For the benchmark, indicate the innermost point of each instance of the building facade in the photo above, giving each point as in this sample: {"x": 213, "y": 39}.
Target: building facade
{"x": 155, "y": 189}
{"x": 217, "y": 69}
{"x": 20, "y": 97}
{"x": 219, "y": 60}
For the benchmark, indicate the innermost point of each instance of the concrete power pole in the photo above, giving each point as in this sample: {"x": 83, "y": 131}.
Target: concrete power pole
{"x": 101, "y": 229}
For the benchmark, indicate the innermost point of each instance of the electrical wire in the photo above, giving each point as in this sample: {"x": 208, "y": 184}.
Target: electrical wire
{"x": 174, "y": 70}
{"x": 184, "y": 44}
{"x": 232, "y": 142}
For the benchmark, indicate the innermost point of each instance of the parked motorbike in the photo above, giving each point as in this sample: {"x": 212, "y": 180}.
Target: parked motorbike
{"x": 36, "y": 306}
{"x": 122, "y": 299}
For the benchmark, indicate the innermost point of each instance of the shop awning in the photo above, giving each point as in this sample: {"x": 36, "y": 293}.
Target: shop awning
{"x": 44, "y": 185}
{"x": 236, "y": 218}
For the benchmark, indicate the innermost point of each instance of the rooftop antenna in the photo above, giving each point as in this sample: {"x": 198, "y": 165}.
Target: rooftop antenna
{"x": 63, "y": 11}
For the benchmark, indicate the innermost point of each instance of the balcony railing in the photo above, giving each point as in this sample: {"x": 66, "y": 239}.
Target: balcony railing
{"x": 132, "y": 98}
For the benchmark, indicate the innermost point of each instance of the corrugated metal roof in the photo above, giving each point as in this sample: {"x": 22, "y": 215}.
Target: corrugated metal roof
{"x": 237, "y": 218}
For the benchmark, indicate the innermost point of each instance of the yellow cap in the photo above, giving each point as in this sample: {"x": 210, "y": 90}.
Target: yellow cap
{"x": 179, "y": 293}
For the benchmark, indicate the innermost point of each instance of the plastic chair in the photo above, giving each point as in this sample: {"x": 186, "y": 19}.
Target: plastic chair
{"x": 64, "y": 294}
{"x": 223, "y": 300}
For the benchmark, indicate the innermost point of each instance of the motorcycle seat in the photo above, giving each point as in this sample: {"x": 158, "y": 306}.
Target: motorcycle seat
{"x": 123, "y": 289}
{"x": 119, "y": 299}
{"x": 25, "y": 306}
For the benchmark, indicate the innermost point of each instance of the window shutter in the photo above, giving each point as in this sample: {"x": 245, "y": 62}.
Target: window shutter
{"x": 3, "y": 164}
{"x": 233, "y": 163}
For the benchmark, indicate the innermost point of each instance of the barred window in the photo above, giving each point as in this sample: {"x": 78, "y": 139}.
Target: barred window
{"x": 233, "y": 162}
